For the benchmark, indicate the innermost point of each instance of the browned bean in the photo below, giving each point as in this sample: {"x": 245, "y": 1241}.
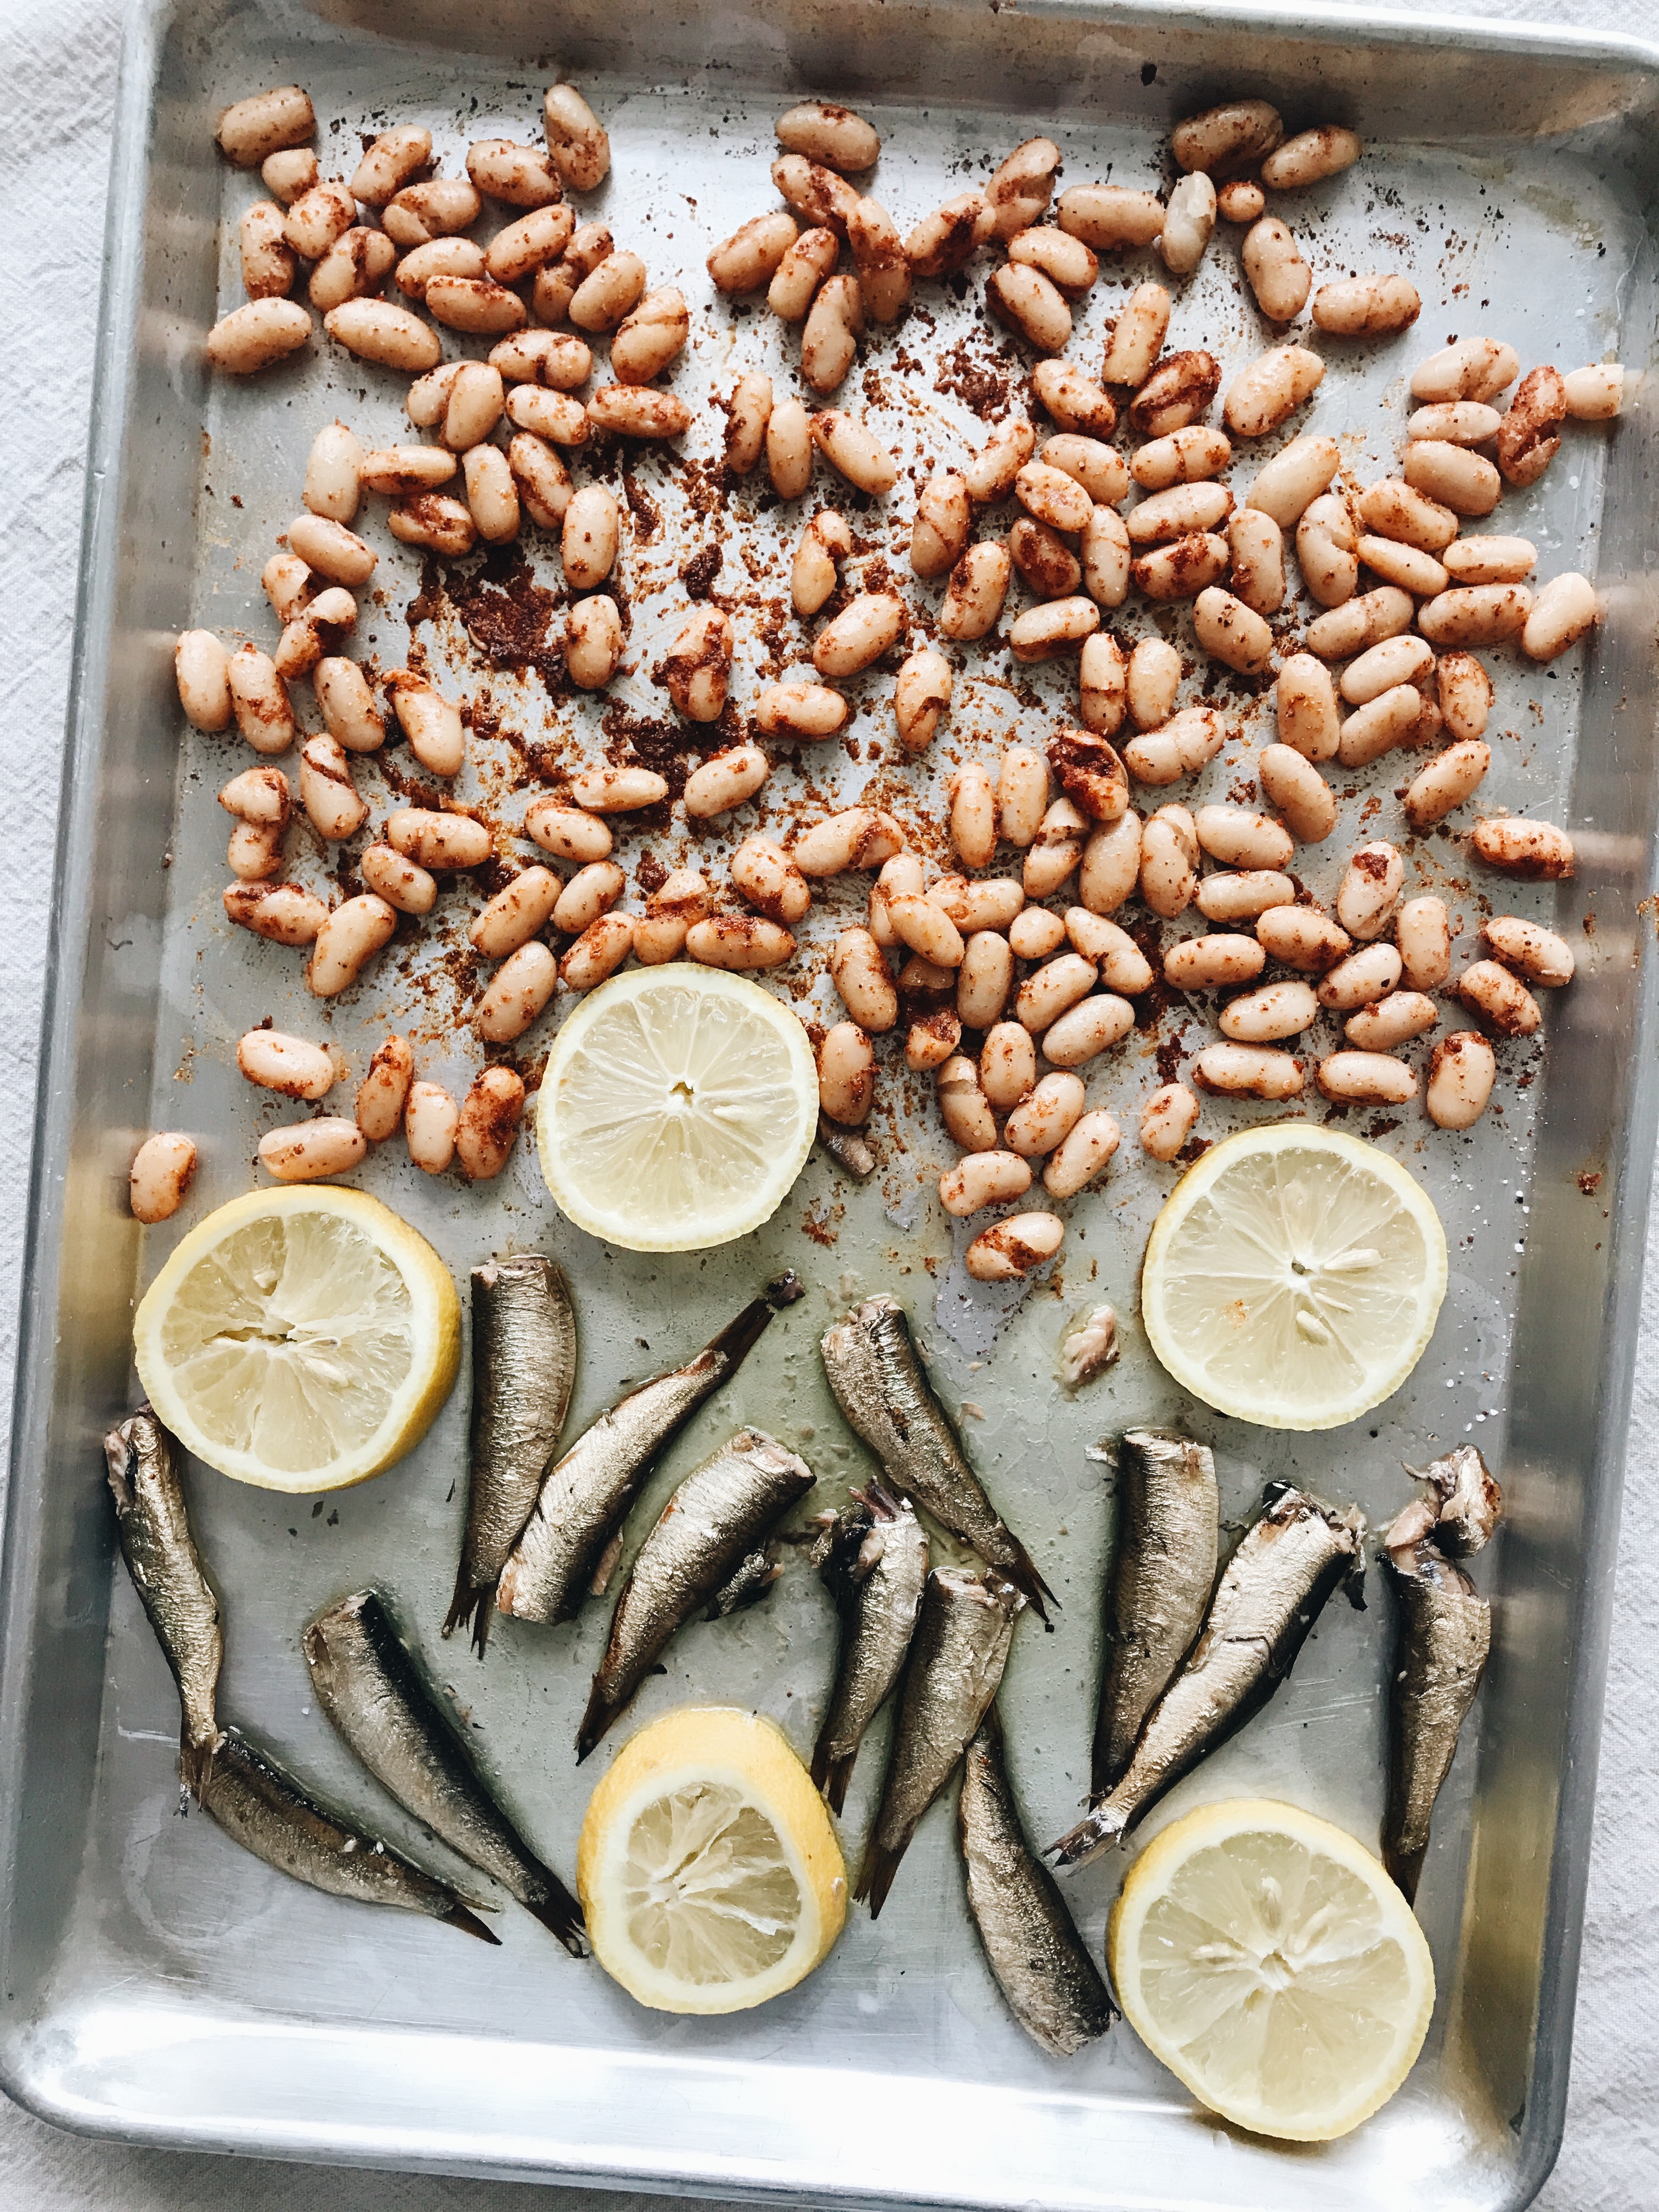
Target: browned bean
{"x": 1448, "y": 780}
{"x": 1169, "y": 862}
{"x": 1070, "y": 266}
{"x": 1086, "y": 1150}
{"x": 1293, "y": 784}
{"x": 1055, "y": 850}
{"x": 1166, "y": 1121}
{"x": 1365, "y": 620}
{"x": 697, "y": 666}
{"x": 1046, "y": 1117}
{"x": 1088, "y": 1029}
{"x": 825, "y": 542}
{"x": 1564, "y": 610}
{"x": 542, "y": 481}
{"x": 648, "y": 339}
{"x": 351, "y": 935}
{"x": 1075, "y": 401}
{"x": 1187, "y": 742}
{"x": 333, "y": 804}
{"x": 1024, "y": 298}
{"x": 1103, "y": 681}
{"x": 1366, "y": 306}
{"x": 592, "y": 891}
{"x": 1369, "y": 891}
{"x": 1462, "y": 1070}
{"x": 921, "y": 694}
{"x": 1036, "y": 933}
{"x": 1275, "y": 270}
{"x": 684, "y": 898}
{"x": 431, "y": 723}
{"x": 1110, "y": 217}
{"x": 1231, "y": 632}
{"x": 630, "y": 410}
{"x": 1007, "y": 1068}
{"x": 1328, "y": 550}
{"x": 1369, "y": 973}
{"x": 1531, "y": 950}
{"x": 1423, "y": 932}
{"x": 965, "y": 1109}
{"x": 431, "y": 1119}
{"x": 589, "y": 537}
{"x": 289, "y": 1065}
{"x": 437, "y": 840}
{"x": 945, "y": 242}
{"x": 593, "y": 642}
{"x": 202, "y": 668}
{"x": 599, "y": 951}
{"x": 984, "y": 1178}
{"x": 606, "y": 790}
{"x": 1490, "y": 560}
{"x": 1536, "y": 851}
{"x": 1309, "y": 156}
{"x": 748, "y": 414}
{"x": 1062, "y": 623}
{"x": 931, "y": 1039}
{"x": 1248, "y": 1072}
{"x": 1183, "y": 570}
{"x": 938, "y": 536}
{"x": 1452, "y": 474}
{"x": 848, "y": 445}
{"x": 973, "y": 599}
{"x": 518, "y": 994}
{"x": 860, "y": 974}
{"x": 846, "y": 1074}
{"x": 1294, "y": 479}
{"x": 1392, "y": 1021}
{"x": 250, "y": 338}
{"x": 1530, "y": 436}
{"x": 1489, "y": 989}
{"x": 1240, "y": 200}
{"x": 577, "y": 141}
{"x": 1136, "y": 337}
{"x": 1044, "y": 996}
{"x": 815, "y": 193}
{"x": 751, "y": 257}
{"x": 764, "y": 874}
{"x": 884, "y": 266}
{"x": 1301, "y": 936}
{"x": 835, "y": 324}
{"x": 567, "y": 832}
{"x": 260, "y": 699}
{"x": 283, "y": 913}
{"x": 401, "y": 882}
{"x": 802, "y": 710}
{"x": 1370, "y": 731}
{"x": 488, "y": 1121}
{"x": 327, "y": 1146}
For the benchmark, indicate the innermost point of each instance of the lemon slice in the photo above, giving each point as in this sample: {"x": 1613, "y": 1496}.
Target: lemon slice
{"x": 1293, "y": 1277}
{"x": 678, "y": 1105}
{"x": 1266, "y": 1958}
{"x": 708, "y": 1872}
{"x": 301, "y": 1340}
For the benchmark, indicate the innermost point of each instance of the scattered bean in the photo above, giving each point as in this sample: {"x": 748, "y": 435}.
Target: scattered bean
{"x": 683, "y": 898}
{"x": 1536, "y": 851}
{"x": 1529, "y": 435}
{"x": 1240, "y": 200}
{"x": 201, "y": 667}
{"x": 1183, "y": 570}
{"x": 1564, "y": 610}
{"x": 567, "y": 832}
{"x": 1447, "y": 782}
{"x": 518, "y": 994}
{"x": 1365, "y": 620}
{"x": 589, "y": 536}
{"x": 1461, "y": 1071}
{"x": 848, "y": 447}
{"x": 1257, "y": 546}
{"x": 1106, "y": 558}
{"x": 1024, "y": 299}
{"x": 1007, "y": 1068}
{"x": 1248, "y": 1072}
{"x": 1075, "y": 401}
{"x": 1475, "y": 614}
{"x": 1465, "y": 482}
{"x": 604, "y": 790}
{"x": 859, "y": 635}
{"x": 1392, "y": 1021}
{"x": 1423, "y": 932}
{"x": 1070, "y": 266}
{"x": 1042, "y": 632}
{"x": 489, "y": 1117}
{"x": 1301, "y": 936}
{"x": 1489, "y": 989}
{"x": 1110, "y": 218}
{"x": 1166, "y": 1121}
{"x": 938, "y": 538}
{"x": 1294, "y": 479}
{"x": 1044, "y": 559}
{"x": 1044, "y": 996}
{"x": 1055, "y": 852}
{"x": 854, "y": 837}
{"x": 431, "y": 1120}
{"x": 1276, "y": 1010}
{"x": 1291, "y": 782}
{"x": 260, "y": 701}
{"x": 921, "y": 693}
{"x": 1086, "y": 1150}
{"x": 1169, "y": 862}
{"x": 1369, "y": 891}
{"x": 697, "y": 668}
{"x": 1531, "y": 950}
{"x": 333, "y": 803}
{"x": 592, "y": 891}
{"x": 1231, "y": 632}
{"x": 1043, "y": 1121}
{"x": 930, "y": 1040}
{"x": 765, "y": 875}
{"x": 1596, "y": 394}
{"x": 1366, "y": 1079}
{"x": 1366, "y": 306}
{"x": 968, "y": 1119}
{"x": 1327, "y": 547}
{"x": 978, "y": 586}
{"x": 1019, "y": 191}
{"x": 1036, "y": 933}
{"x": 630, "y": 410}
{"x": 1367, "y": 974}
{"x": 984, "y": 1178}
{"x": 599, "y": 951}
{"x": 1187, "y": 742}
{"x": 1270, "y": 390}
{"x": 435, "y": 841}
{"x": 431, "y": 723}
{"x": 554, "y": 416}
{"x": 984, "y": 979}
{"x": 748, "y": 414}
{"x": 330, "y": 1145}
{"x": 944, "y": 242}
{"x": 350, "y": 936}
{"x": 283, "y": 913}
{"x": 592, "y": 642}
{"x": 1137, "y": 336}
{"x": 989, "y": 902}
{"x": 846, "y": 1074}
{"x": 802, "y": 710}
{"x": 397, "y": 469}
{"x": 252, "y": 337}
{"x": 1088, "y": 1029}
{"x": 1206, "y": 963}
{"x": 990, "y": 476}
{"x": 1103, "y": 675}
{"x": 1275, "y": 270}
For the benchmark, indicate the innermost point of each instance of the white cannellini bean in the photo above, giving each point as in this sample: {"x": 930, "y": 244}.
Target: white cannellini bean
{"x": 1538, "y": 852}
{"x": 1469, "y": 368}
{"x": 930, "y": 1040}
{"x": 488, "y": 1123}
{"x": 1256, "y": 544}
{"x": 1055, "y": 850}
{"x": 1530, "y": 436}
{"x": 990, "y": 476}
{"x": 1366, "y": 1079}
{"x": 1019, "y": 191}
{"x": 944, "y": 242}
{"x": 1270, "y": 390}
{"x": 519, "y": 912}
{"x": 1447, "y": 782}
{"x": 973, "y": 821}
{"x": 250, "y": 338}
{"x": 1310, "y": 156}
{"x": 1309, "y": 722}
{"x": 1206, "y": 963}
{"x": 633, "y": 411}
{"x": 1189, "y": 222}
{"x": 352, "y": 935}
{"x": 1294, "y": 479}
{"x": 833, "y": 136}
{"x": 1102, "y": 677}
{"x": 491, "y": 495}
{"x": 438, "y": 208}
{"x": 1167, "y": 1119}
{"x": 608, "y": 295}
{"x": 1240, "y": 200}
{"x": 593, "y": 642}
{"x": 431, "y": 1119}
{"x": 1108, "y": 217}
{"x": 984, "y": 1178}
{"x": 750, "y": 257}
{"x": 938, "y": 536}
{"x": 1024, "y": 299}
{"x": 254, "y": 852}
{"x": 921, "y": 694}
{"x": 830, "y": 341}
{"x": 806, "y": 710}
{"x": 978, "y": 586}
{"x": 824, "y": 544}
{"x": 201, "y": 667}
{"x": 1294, "y": 785}
{"x": 860, "y": 974}
{"x": 1301, "y": 936}
{"x": 553, "y": 415}
{"x": 1328, "y": 550}
{"x": 1110, "y": 865}
{"x": 333, "y": 803}
{"x": 1462, "y": 1070}
{"x": 522, "y": 176}
{"x": 1366, "y": 306}
{"x": 318, "y": 217}
{"x": 1043, "y": 559}
{"x": 1230, "y": 897}
{"x": 431, "y": 723}
{"x": 1347, "y": 629}
{"x": 984, "y": 979}
{"x": 1075, "y": 401}
{"x": 1391, "y": 509}
{"x": 926, "y": 928}
{"x": 965, "y": 1111}
{"x": 1263, "y": 1016}
{"x": 259, "y": 796}
{"x": 1564, "y": 610}
{"x": 1168, "y": 863}
{"x": 1234, "y": 136}
{"x": 1007, "y": 1068}
{"x": 528, "y": 245}
{"x": 589, "y": 537}
{"x": 1034, "y": 932}
{"x": 1372, "y": 730}
{"x": 1182, "y": 569}
{"x": 989, "y": 902}
{"x": 1184, "y": 456}
{"x": 1404, "y": 565}
{"x": 1275, "y": 270}
{"x": 684, "y": 898}
{"x": 1467, "y": 483}
{"x": 264, "y": 124}
{"x": 1370, "y": 890}
{"x": 1137, "y": 336}
{"x": 1187, "y": 742}
{"x": 287, "y": 582}
{"x": 330, "y": 1145}
{"x": 444, "y": 257}
{"x": 741, "y": 942}
{"x": 397, "y": 468}
{"x": 592, "y": 891}
{"x": 597, "y": 952}
{"x": 1595, "y": 394}
{"x": 387, "y": 335}
{"x": 1422, "y": 931}
{"x": 1042, "y": 632}
{"x": 1491, "y": 990}
{"x": 288, "y": 173}
{"x": 569, "y": 832}
{"x": 846, "y": 1074}
{"x": 1106, "y": 554}
{"x": 1248, "y": 1072}
{"x": 542, "y": 479}
{"x": 697, "y": 666}
{"x": 748, "y": 413}
{"x": 1152, "y": 681}
{"x": 268, "y": 262}
{"x": 1490, "y": 559}
{"x": 1531, "y": 950}
{"x": 400, "y": 881}
{"x": 1088, "y": 1029}
{"x": 606, "y": 790}
{"x": 1045, "y": 995}
{"x": 432, "y": 518}
{"x": 1476, "y": 614}
{"x": 1177, "y": 512}
{"x": 282, "y": 912}
{"x": 1371, "y": 973}
{"x": 577, "y": 141}
{"x": 383, "y": 1094}
{"x": 1053, "y": 496}
{"x": 1392, "y": 1021}
{"x": 290, "y": 1064}
{"x": 435, "y": 841}
{"x": 884, "y": 266}
{"x": 1086, "y": 1150}
{"x": 864, "y": 630}
{"x": 1231, "y": 632}
{"x": 260, "y": 701}
{"x": 1043, "y": 1120}
{"x": 331, "y": 550}
{"x": 850, "y": 447}
{"x": 1403, "y": 660}
{"x": 1096, "y": 468}
{"x": 518, "y": 994}
{"x": 1239, "y": 838}
{"x": 725, "y": 781}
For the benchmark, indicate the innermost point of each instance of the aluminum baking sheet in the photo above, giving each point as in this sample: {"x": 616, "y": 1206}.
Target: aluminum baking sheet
{"x": 162, "y": 1987}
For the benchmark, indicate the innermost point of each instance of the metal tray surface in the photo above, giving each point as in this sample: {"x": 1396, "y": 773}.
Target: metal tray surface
{"x": 159, "y": 1985}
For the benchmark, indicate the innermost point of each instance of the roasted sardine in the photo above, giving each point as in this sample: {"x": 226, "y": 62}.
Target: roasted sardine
{"x": 588, "y": 1492}
{"x": 874, "y": 1560}
{"x": 881, "y": 1387}
{"x": 1270, "y": 1594}
{"x": 956, "y": 1657}
{"x": 1041, "y": 1963}
{"x": 372, "y": 1690}
{"x": 1169, "y": 1522}
{"x": 524, "y": 1366}
{"x": 707, "y": 1529}
{"x": 166, "y": 1572}
{"x": 1445, "y": 1632}
{"x": 1467, "y": 1501}
{"x": 265, "y": 1810}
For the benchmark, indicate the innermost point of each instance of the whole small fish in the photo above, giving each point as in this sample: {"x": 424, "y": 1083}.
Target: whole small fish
{"x": 371, "y": 1689}
{"x": 524, "y": 1366}
{"x": 1468, "y": 1501}
{"x": 1163, "y": 1573}
{"x": 873, "y": 1561}
{"x": 1270, "y": 1594}
{"x": 1445, "y": 1634}
{"x": 265, "y": 1810}
{"x": 1041, "y": 1963}
{"x": 704, "y": 1533}
{"x": 880, "y": 1386}
{"x": 956, "y": 1657}
{"x": 166, "y": 1572}
{"x": 587, "y": 1494}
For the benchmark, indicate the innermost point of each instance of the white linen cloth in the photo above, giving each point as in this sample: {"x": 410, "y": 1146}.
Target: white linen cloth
{"x": 58, "y": 71}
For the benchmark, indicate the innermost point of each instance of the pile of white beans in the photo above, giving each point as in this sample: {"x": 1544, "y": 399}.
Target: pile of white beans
{"x": 1028, "y": 961}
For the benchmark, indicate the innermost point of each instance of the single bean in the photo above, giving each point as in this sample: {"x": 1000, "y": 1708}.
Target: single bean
{"x": 1185, "y": 457}
{"x": 649, "y": 338}
{"x": 259, "y": 796}
{"x": 431, "y": 1119}
{"x": 201, "y": 667}
{"x": 921, "y": 693}
{"x": 789, "y": 448}
{"x": 331, "y": 550}
{"x": 529, "y": 244}
{"x": 576, "y": 140}
{"x": 945, "y": 242}
{"x": 389, "y": 336}
{"x": 984, "y": 1178}
{"x": 1248, "y": 1072}
{"x": 433, "y": 521}
{"x": 1043, "y": 1121}
{"x": 1256, "y": 544}
{"x": 973, "y": 817}
{"x": 333, "y": 803}
{"x": 1242, "y": 897}
{"x": 803, "y": 710}
{"x": 884, "y": 266}
{"x": 283, "y": 913}
{"x": 444, "y": 257}
{"x": 1270, "y": 390}
{"x": 748, "y": 413}
{"x": 1136, "y": 338}
{"x": 289, "y": 1065}
{"x": 850, "y": 447}
{"x": 1327, "y": 550}
{"x": 264, "y": 124}
{"x": 1007, "y": 1068}
{"x": 965, "y": 1111}
{"x": 1465, "y": 482}
{"x": 1369, "y": 891}
{"x": 523, "y": 176}
{"x": 401, "y": 882}
{"x": 436, "y": 841}
{"x": 725, "y": 781}
{"x": 973, "y": 599}
{"x": 542, "y": 481}
{"x": 1103, "y": 677}
{"x": 1462, "y": 1068}
{"x": 383, "y": 1094}
{"x": 1536, "y": 851}
{"x": 1491, "y": 990}
{"x": 1036, "y": 933}
{"x": 1045, "y": 995}
{"x": 347, "y": 705}
{"x": 1529, "y": 435}
{"x": 592, "y": 891}
{"x": 589, "y": 537}
{"x": 1179, "y": 512}
{"x": 1019, "y": 191}
{"x": 1206, "y": 963}
{"x": 1075, "y": 401}
{"x": 854, "y": 837}
{"x": 815, "y": 192}
{"x": 631, "y": 411}
{"x": 318, "y": 217}
{"x": 1366, "y": 306}
{"x": 252, "y": 337}
{"x": 1293, "y": 785}
{"x": 684, "y": 898}
{"x": 1310, "y": 156}
{"x": 1110, "y": 218}
{"x": 1366, "y": 1079}
{"x": 260, "y": 701}
{"x": 1183, "y": 570}
{"x": 1391, "y": 1021}
{"x": 989, "y": 902}
{"x": 1232, "y": 136}
{"x": 1275, "y": 270}
{"x": 1595, "y": 394}
{"x": 1024, "y": 298}
{"x": 751, "y": 257}
{"x": 984, "y": 979}
{"x": 1231, "y": 632}
{"x": 605, "y": 790}
{"x": 1044, "y": 559}
{"x": 1239, "y": 838}
{"x": 333, "y": 474}
{"x": 1531, "y": 950}
{"x": 825, "y": 541}
{"x": 1055, "y": 852}
{"x": 1402, "y": 660}
{"x": 1087, "y": 1030}
{"x": 1189, "y": 224}
{"x": 1564, "y": 610}
{"x": 1309, "y": 722}
{"x": 554, "y": 416}
{"x": 1349, "y": 628}
{"x": 268, "y": 262}
{"x": 865, "y": 628}
{"x": 930, "y": 1041}
{"x": 1053, "y": 496}
{"x": 1166, "y": 1121}
{"x": 697, "y": 666}
{"x": 1042, "y": 632}
{"x": 254, "y": 852}
{"x": 1070, "y": 266}
{"x": 764, "y": 874}
{"x": 846, "y": 1074}
{"x": 1169, "y": 862}
{"x": 1448, "y": 780}
{"x": 597, "y": 952}
{"x": 1263, "y": 1016}
{"x": 1423, "y": 932}
{"x": 1086, "y": 1150}
{"x": 287, "y": 582}
{"x": 1455, "y": 423}
{"x": 1301, "y": 936}
{"x": 990, "y": 476}
{"x": 1367, "y": 974}
{"x": 1150, "y": 682}
{"x": 518, "y": 994}
{"x": 1476, "y": 614}
{"x": 1187, "y": 742}
{"x": 288, "y": 173}
{"x": 1294, "y": 479}
{"x": 431, "y": 723}
{"x": 938, "y": 536}
{"x": 523, "y": 907}
{"x": 351, "y": 935}
{"x": 1490, "y": 560}
{"x": 330, "y": 1145}
{"x": 833, "y": 136}
{"x": 397, "y": 468}
{"x": 1240, "y": 200}
{"x": 1106, "y": 557}
{"x": 437, "y": 209}
{"x": 593, "y": 642}
{"x": 488, "y": 1121}
{"x": 567, "y": 832}
{"x": 1391, "y": 509}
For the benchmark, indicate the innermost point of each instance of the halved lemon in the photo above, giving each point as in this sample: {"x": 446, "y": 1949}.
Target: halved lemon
{"x": 1293, "y": 1277}
{"x": 301, "y": 1340}
{"x": 1267, "y": 1959}
{"x": 708, "y": 1872}
{"x": 678, "y": 1106}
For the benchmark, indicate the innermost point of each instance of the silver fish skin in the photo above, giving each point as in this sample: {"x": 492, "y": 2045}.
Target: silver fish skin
{"x": 265, "y": 1810}
{"x": 371, "y": 1689}
{"x": 880, "y": 1386}
{"x": 589, "y": 1491}
{"x": 1444, "y": 1636}
{"x": 1467, "y": 1499}
{"x": 747, "y": 1585}
{"x": 1041, "y": 1963}
{"x": 873, "y": 1561}
{"x": 166, "y": 1572}
{"x": 524, "y": 1368}
{"x": 708, "y": 1528}
{"x": 1270, "y": 1594}
{"x": 1168, "y": 1533}
{"x": 956, "y": 1657}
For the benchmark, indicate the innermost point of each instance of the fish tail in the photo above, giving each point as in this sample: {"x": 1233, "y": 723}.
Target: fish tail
{"x": 831, "y": 1775}
{"x": 561, "y": 1914}
{"x": 470, "y": 1609}
{"x": 1405, "y": 1869}
{"x": 459, "y": 1916}
{"x": 595, "y": 1721}
{"x": 196, "y": 1761}
{"x": 739, "y": 1337}
{"x": 1092, "y": 1835}
{"x": 881, "y": 1863}
{"x": 1021, "y": 1571}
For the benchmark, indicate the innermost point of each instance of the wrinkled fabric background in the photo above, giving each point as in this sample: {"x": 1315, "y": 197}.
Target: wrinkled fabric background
{"x": 58, "y": 68}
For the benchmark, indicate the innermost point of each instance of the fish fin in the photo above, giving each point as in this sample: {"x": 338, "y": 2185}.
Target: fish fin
{"x": 1405, "y": 1869}
{"x": 561, "y": 1914}
{"x": 458, "y": 1915}
{"x": 470, "y": 1608}
{"x": 881, "y": 1863}
{"x": 1096, "y": 1832}
{"x": 196, "y": 1763}
{"x": 832, "y": 1776}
